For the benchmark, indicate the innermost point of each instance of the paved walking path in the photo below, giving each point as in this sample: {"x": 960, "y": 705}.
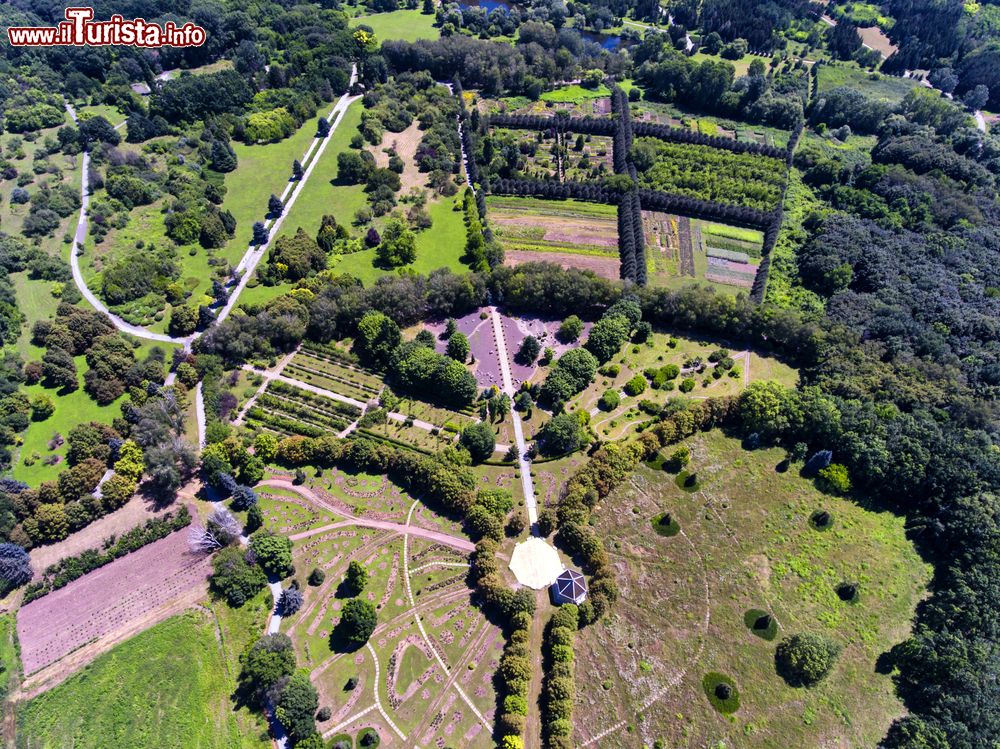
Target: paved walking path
{"x": 508, "y": 387}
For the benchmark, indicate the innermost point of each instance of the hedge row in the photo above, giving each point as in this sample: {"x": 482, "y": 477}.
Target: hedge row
{"x": 71, "y": 568}
{"x": 558, "y": 685}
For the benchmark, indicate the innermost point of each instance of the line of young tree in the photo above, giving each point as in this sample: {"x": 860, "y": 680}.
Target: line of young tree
{"x": 773, "y": 229}
{"x": 558, "y": 685}
{"x": 631, "y": 237}
{"x": 558, "y": 123}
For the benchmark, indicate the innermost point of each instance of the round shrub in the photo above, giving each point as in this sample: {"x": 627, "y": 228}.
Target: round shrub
{"x": 316, "y": 577}
{"x": 665, "y": 524}
{"x": 721, "y": 692}
{"x": 804, "y": 660}
{"x": 609, "y": 401}
{"x": 636, "y": 385}
{"x": 848, "y": 592}
{"x": 323, "y": 714}
{"x": 687, "y": 481}
{"x": 834, "y": 479}
{"x": 369, "y": 738}
{"x": 687, "y": 385}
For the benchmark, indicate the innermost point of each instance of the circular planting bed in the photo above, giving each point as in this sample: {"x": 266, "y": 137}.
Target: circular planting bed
{"x": 688, "y": 481}
{"x": 821, "y": 520}
{"x": 341, "y": 741}
{"x": 848, "y": 592}
{"x": 761, "y": 624}
{"x": 721, "y": 692}
{"x": 665, "y": 524}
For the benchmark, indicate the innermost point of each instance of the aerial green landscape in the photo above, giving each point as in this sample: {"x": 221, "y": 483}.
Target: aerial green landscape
{"x": 500, "y": 374}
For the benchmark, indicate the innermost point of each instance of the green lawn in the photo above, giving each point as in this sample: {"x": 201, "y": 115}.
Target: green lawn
{"x": 111, "y": 114}
{"x": 9, "y": 665}
{"x": 407, "y": 25}
{"x": 167, "y": 687}
{"x": 438, "y": 247}
{"x": 872, "y": 85}
{"x": 71, "y": 409}
{"x": 261, "y": 171}
{"x": 36, "y": 302}
{"x": 320, "y": 196}
{"x": 575, "y": 94}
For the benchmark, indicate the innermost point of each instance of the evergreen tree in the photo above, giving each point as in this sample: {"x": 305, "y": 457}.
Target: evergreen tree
{"x": 274, "y": 206}
{"x": 297, "y": 169}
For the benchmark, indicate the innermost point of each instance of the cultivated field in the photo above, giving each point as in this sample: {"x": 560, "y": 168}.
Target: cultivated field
{"x": 130, "y": 593}
{"x": 745, "y": 543}
{"x": 680, "y": 249}
{"x": 568, "y": 232}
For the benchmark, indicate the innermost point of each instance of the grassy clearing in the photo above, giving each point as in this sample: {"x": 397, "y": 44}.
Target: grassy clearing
{"x": 874, "y": 85}
{"x": 407, "y": 25}
{"x": 71, "y": 409}
{"x": 8, "y": 655}
{"x": 745, "y": 543}
{"x": 441, "y": 246}
{"x": 111, "y": 114}
{"x": 575, "y": 94}
{"x": 321, "y": 195}
{"x": 167, "y": 687}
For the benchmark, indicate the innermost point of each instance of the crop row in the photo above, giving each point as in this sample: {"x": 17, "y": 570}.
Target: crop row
{"x": 321, "y": 402}
{"x": 303, "y": 412}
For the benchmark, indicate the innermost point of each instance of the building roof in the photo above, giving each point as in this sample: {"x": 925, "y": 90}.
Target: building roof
{"x": 571, "y": 584}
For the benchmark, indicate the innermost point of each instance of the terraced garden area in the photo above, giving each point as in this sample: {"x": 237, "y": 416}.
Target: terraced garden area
{"x": 286, "y": 409}
{"x": 745, "y": 545}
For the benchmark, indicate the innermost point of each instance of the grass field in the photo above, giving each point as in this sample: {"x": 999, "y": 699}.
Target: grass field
{"x": 407, "y": 25}
{"x": 441, "y": 246}
{"x": 167, "y": 687}
{"x": 574, "y": 94}
{"x": 8, "y": 655}
{"x": 874, "y": 85}
{"x": 745, "y": 543}
{"x": 262, "y": 170}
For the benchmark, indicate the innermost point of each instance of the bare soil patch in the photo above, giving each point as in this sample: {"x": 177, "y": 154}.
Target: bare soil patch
{"x": 607, "y": 267}
{"x": 875, "y": 38}
{"x": 405, "y": 144}
{"x": 108, "y": 600}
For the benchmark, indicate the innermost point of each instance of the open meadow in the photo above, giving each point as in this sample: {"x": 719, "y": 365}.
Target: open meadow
{"x": 742, "y": 544}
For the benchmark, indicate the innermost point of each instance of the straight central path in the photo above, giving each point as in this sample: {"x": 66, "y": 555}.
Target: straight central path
{"x": 527, "y": 485}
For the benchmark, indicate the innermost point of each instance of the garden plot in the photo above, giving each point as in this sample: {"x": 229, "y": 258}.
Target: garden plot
{"x": 288, "y": 513}
{"x": 289, "y": 410}
{"x": 557, "y": 226}
{"x": 571, "y": 233}
{"x": 136, "y": 588}
{"x": 399, "y": 665}
{"x": 321, "y": 370}
{"x": 478, "y": 328}
{"x": 680, "y": 249}
{"x": 744, "y": 544}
